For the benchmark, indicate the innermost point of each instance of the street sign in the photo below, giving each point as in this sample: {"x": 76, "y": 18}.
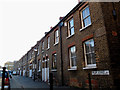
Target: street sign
{"x": 102, "y": 72}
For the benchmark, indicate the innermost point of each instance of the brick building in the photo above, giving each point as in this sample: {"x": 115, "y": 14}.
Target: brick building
{"x": 85, "y": 42}
{"x": 9, "y": 65}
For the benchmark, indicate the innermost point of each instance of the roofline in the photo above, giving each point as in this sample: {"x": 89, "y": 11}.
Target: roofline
{"x": 64, "y": 18}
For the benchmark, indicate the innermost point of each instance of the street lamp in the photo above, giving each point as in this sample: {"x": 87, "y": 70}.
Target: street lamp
{"x": 35, "y": 63}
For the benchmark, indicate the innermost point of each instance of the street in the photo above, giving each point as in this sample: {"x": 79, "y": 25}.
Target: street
{"x": 26, "y": 83}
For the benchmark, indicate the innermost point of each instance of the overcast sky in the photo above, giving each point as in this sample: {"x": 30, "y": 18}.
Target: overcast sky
{"x": 23, "y": 23}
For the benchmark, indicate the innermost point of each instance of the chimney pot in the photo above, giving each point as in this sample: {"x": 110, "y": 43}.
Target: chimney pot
{"x": 46, "y": 33}
{"x": 60, "y": 18}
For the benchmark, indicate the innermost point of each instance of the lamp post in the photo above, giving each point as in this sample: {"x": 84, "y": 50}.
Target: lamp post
{"x": 3, "y": 77}
{"x": 35, "y": 64}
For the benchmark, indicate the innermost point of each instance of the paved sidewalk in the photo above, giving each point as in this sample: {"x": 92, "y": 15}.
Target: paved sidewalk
{"x": 26, "y": 82}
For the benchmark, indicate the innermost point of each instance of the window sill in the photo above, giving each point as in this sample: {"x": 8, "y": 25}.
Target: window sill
{"x": 42, "y": 51}
{"x": 56, "y": 44}
{"x": 85, "y": 27}
{"x": 39, "y": 70}
{"x": 54, "y": 70}
{"x": 90, "y": 67}
{"x": 70, "y": 36}
{"x": 48, "y": 48}
{"x": 72, "y": 69}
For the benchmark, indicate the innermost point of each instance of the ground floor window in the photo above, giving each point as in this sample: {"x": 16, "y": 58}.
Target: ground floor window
{"x": 72, "y": 57}
{"x": 89, "y": 53}
{"x": 54, "y": 61}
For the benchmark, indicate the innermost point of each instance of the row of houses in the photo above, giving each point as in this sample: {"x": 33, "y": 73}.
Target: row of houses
{"x": 86, "y": 42}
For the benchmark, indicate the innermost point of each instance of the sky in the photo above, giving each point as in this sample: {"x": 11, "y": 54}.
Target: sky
{"x": 24, "y": 22}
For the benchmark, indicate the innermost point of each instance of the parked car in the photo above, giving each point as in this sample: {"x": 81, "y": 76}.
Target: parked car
{"x": 6, "y": 81}
{"x": 14, "y": 73}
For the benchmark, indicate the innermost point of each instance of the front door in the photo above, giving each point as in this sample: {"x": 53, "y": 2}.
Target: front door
{"x": 30, "y": 73}
{"x": 45, "y": 71}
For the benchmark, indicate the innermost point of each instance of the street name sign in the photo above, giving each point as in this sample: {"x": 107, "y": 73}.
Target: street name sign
{"x": 102, "y": 72}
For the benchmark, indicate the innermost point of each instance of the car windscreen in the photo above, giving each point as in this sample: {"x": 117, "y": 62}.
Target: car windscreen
{"x": 6, "y": 74}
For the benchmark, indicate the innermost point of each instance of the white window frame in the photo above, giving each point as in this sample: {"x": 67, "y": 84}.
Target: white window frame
{"x": 71, "y": 66}
{"x": 88, "y": 65}
{"x": 48, "y": 42}
{"x": 82, "y": 20}
{"x": 56, "y": 37}
{"x": 69, "y": 28}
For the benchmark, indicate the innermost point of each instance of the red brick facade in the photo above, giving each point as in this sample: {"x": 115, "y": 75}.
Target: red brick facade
{"x": 104, "y": 30}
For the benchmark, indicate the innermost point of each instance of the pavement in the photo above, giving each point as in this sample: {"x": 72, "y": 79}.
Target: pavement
{"x": 27, "y": 83}
{"x": 21, "y": 82}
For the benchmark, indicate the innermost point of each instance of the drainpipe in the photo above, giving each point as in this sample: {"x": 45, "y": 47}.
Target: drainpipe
{"x": 60, "y": 26}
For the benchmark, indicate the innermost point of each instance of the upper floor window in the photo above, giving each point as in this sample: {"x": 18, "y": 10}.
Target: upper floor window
{"x": 39, "y": 65}
{"x": 38, "y": 52}
{"x": 54, "y": 61}
{"x": 72, "y": 56}
{"x": 85, "y": 17}
{"x": 48, "y": 42}
{"x": 42, "y": 45}
{"x": 89, "y": 53}
{"x": 33, "y": 54}
{"x": 56, "y": 37}
{"x": 29, "y": 55}
{"x": 70, "y": 27}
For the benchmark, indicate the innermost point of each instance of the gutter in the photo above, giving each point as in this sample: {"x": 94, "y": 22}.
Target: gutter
{"x": 62, "y": 77}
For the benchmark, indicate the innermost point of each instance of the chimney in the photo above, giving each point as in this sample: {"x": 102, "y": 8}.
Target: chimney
{"x": 46, "y": 33}
{"x": 51, "y": 27}
{"x": 60, "y": 18}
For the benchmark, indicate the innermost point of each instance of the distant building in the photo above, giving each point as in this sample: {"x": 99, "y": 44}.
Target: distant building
{"x": 0, "y": 66}
{"x": 9, "y": 65}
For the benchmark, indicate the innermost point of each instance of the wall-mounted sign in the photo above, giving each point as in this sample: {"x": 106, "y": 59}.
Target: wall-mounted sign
{"x": 102, "y": 72}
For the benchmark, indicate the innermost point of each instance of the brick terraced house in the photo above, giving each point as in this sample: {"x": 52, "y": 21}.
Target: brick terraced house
{"x": 86, "y": 42}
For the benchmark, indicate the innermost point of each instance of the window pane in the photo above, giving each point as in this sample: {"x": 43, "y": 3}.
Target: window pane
{"x": 42, "y": 45}
{"x": 48, "y": 42}
{"x": 90, "y": 55}
{"x": 87, "y": 47}
{"x": 87, "y": 21}
{"x": 54, "y": 64}
{"x": 71, "y": 23}
{"x": 92, "y": 45}
{"x": 73, "y": 61}
{"x": 73, "y": 56}
{"x": 73, "y": 49}
{"x": 72, "y": 31}
{"x": 85, "y": 12}
{"x": 88, "y": 58}
{"x": 56, "y": 36}
{"x": 57, "y": 39}
{"x": 57, "y": 33}
{"x": 93, "y": 58}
